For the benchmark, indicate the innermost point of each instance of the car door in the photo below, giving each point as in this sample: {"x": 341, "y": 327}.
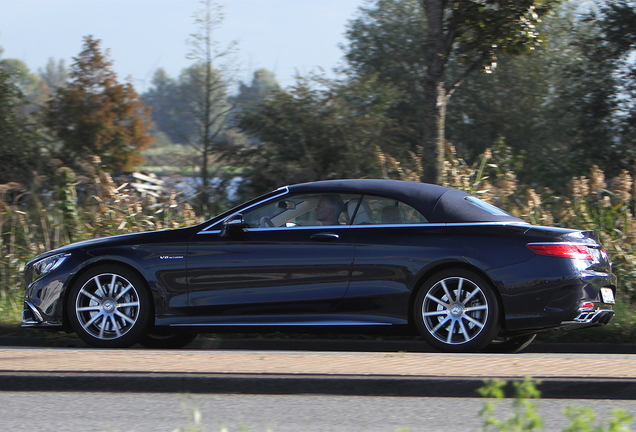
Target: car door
{"x": 393, "y": 242}
{"x": 282, "y": 261}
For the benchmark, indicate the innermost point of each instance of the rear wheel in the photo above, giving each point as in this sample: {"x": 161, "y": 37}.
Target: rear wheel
{"x": 109, "y": 307}
{"x": 456, "y": 310}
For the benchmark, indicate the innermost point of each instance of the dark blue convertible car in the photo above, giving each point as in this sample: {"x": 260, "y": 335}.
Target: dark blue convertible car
{"x": 343, "y": 255}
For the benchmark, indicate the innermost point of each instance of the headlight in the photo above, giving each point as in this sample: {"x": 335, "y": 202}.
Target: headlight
{"x": 48, "y": 264}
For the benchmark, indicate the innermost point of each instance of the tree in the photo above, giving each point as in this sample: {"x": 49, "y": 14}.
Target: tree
{"x": 429, "y": 55}
{"x": 55, "y": 75}
{"x": 618, "y": 21}
{"x": 392, "y": 39}
{"x": 309, "y": 133}
{"x": 35, "y": 90}
{"x": 205, "y": 90}
{"x": 477, "y": 32}
{"x": 262, "y": 86}
{"x": 169, "y": 111}
{"x": 388, "y": 41}
{"x": 19, "y": 144}
{"x": 556, "y": 105}
{"x": 95, "y": 115}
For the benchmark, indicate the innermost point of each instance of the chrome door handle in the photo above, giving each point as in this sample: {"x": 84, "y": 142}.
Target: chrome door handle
{"x": 325, "y": 237}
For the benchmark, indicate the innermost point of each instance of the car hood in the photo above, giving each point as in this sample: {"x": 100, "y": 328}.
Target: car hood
{"x": 120, "y": 240}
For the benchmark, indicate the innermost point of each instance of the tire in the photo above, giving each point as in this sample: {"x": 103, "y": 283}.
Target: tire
{"x": 456, "y": 310}
{"x": 109, "y": 307}
{"x": 169, "y": 340}
{"x": 510, "y": 346}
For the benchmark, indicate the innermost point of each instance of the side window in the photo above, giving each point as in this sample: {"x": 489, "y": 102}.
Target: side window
{"x": 386, "y": 211}
{"x": 303, "y": 210}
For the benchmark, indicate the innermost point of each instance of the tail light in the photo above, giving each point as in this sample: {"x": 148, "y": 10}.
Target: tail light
{"x": 562, "y": 250}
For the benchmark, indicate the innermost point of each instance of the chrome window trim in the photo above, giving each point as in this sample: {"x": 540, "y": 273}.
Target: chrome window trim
{"x": 502, "y": 223}
{"x": 420, "y": 225}
{"x": 299, "y": 228}
{"x": 379, "y": 226}
{"x": 437, "y": 225}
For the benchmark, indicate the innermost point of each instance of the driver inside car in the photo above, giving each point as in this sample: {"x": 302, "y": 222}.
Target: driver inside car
{"x": 329, "y": 209}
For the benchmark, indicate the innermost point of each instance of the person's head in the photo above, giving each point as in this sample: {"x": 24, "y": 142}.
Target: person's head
{"x": 329, "y": 208}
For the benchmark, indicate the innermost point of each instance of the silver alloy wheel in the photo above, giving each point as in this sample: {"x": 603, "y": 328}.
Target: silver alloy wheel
{"x": 455, "y": 310}
{"x": 107, "y": 306}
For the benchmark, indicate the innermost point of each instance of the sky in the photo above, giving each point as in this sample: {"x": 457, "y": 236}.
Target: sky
{"x": 285, "y": 36}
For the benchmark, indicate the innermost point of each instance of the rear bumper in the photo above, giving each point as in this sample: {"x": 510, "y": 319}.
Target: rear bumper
{"x": 598, "y": 317}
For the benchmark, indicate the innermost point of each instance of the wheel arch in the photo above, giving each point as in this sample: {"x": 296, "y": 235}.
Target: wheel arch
{"x": 453, "y": 265}
{"x": 65, "y": 318}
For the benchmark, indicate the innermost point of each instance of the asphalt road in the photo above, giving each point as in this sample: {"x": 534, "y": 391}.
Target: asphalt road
{"x": 158, "y": 412}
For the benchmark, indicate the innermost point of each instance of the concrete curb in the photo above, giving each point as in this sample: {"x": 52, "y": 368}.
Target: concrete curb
{"x": 264, "y": 384}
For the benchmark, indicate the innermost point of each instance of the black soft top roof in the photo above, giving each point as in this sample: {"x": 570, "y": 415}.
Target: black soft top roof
{"x": 438, "y": 204}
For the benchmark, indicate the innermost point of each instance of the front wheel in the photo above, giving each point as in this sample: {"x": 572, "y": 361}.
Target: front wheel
{"x": 457, "y": 311}
{"x": 109, "y": 307}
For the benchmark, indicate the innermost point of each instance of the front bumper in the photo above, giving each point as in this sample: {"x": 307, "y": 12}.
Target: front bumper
{"x": 31, "y": 317}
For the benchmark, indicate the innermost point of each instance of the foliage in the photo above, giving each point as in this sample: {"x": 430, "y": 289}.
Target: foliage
{"x": 477, "y": 32}
{"x": 205, "y": 89}
{"x": 262, "y": 86}
{"x": 194, "y": 109}
{"x": 54, "y": 74}
{"x": 20, "y": 143}
{"x": 582, "y": 420}
{"x": 618, "y": 20}
{"x": 32, "y": 222}
{"x": 95, "y": 115}
{"x": 169, "y": 112}
{"x": 525, "y": 417}
{"x": 564, "y": 106}
{"x": 428, "y": 55}
{"x": 388, "y": 41}
{"x": 308, "y": 133}
{"x": 29, "y": 83}
{"x": 554, "y": 105}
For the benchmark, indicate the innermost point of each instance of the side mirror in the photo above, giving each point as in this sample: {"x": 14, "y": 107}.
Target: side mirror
{"x": 233, "y": 223}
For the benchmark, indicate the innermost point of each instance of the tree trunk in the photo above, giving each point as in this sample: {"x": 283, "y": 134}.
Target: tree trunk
{"x": 432, "y": 154}
{"x": 435, "y": 97}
